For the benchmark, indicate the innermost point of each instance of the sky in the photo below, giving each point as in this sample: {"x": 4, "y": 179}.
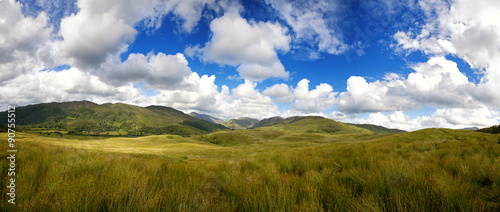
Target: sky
{"x": 400, "y": 64}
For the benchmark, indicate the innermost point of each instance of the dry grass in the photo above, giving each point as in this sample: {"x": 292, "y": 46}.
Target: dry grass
{"x": 429, "y": 170}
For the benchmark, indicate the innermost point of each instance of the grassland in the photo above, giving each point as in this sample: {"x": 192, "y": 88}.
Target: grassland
{"x": 265, "y": 169}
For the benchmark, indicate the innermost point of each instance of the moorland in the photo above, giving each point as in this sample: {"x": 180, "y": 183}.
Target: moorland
{"x": 80, "y": 156}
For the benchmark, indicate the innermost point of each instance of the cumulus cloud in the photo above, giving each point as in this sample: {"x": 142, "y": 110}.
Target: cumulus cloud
{"x": 312, "y": 22}
{"x": 199, "y": 95}
{"x": 249, "y": 101}
{"x": 105, "y": 28}
{"x": 156, "y": 71}
{"x": 304, "y": 101}
{"x": 243, "y": 101}
{"x": 455, "y": 118}
{"x": 463, "y": 28}
{"x": 250, "y": 46}
{"x": 66, "y": 85}
{"x": 102, "y": 28}
{"x": 437, "y": 82}
{"x": 282, "y": 92}
{"x": 90, "y": 41}
{"x": 20, "y": 40}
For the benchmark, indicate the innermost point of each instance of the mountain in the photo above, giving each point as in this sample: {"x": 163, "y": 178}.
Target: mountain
{"x": 241, "y": 123}
{"x": 206, "y": 117}
{"x": 378, "y": 129}
{"x": 267, "y": 122}
{"x": 310, "y": 124}
{"x": 471, "y": 128}
{"x": 84, "y": 117}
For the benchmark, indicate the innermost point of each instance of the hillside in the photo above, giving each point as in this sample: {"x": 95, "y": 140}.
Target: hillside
{"x": 493, "y": 129}
{"x": 378, "y": 129}
{"x": 86, "y": 117}
{"x": 241, "y": 123}
{"x": 263, "y": 169}
{"x": 310, "y": 124}
{"x": 266, "y": 122}
{"x": 206, "y": 117}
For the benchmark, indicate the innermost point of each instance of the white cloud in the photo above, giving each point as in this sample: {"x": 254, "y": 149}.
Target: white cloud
{"x": 250, "y": 46}
{"x": 167, "y": 70}
{"x": 20, "y": 39}
{"x": 249, "y": 102}
{"x": 437, "y": 82}
{"x": 66, "y": 85}
{"x": 394, "y": 120}
{"x": 314, "y": 101}
{"x": 106, "y": 28}
{"x": 102, "y": 28}
{"x": 455, "y": 118}
{"x": 242, "y": 101}
{"x": 198, "y": 93}
{"x": 257, "y": 72}
{"x": 189, "y": 11}
{"x": 156, "y": 71}
{"x": 304, "y": 101}
{"x": 282, "y": 91}
{"x": 202, "y": 95}
{"x": 311, "y": 22}
{"x": 467, "y": 29}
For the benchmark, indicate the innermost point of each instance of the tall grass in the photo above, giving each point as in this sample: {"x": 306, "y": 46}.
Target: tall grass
{"x": 433, "y": 170}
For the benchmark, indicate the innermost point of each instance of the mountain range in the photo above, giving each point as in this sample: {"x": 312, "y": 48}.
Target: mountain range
{"x": 84, "y": 117}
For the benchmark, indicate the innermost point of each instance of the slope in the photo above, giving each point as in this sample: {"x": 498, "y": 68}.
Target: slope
{"x": 206, "y": 117}
{"x": 240, "y": 123}
{"x": 378, "y": 129}
{"x": 311, "y": 124}
{"x": 84, "y": 117}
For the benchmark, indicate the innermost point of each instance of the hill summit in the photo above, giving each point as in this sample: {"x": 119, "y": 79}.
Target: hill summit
{"x": 84, "y": 117}
{"x": 310, "y": 124}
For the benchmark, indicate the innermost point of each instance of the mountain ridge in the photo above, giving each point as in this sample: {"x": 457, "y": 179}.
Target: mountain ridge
{"x": 84, "y": 116}
{"x": 80, "y": 117}
{"x": 240, "y": 123}
{"x": 206, "y": 117}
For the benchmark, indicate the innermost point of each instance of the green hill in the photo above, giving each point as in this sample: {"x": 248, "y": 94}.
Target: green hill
{"x": 241, "y": 123}
{"x": 378, "y": 129}
{"x": 266, "y": 122}
{"x": 311, "y": 124}
{"x": 86, "y": 117}
{"x": 206, "y": 117}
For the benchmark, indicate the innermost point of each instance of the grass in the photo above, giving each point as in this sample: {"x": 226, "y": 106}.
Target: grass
{"x": 428, "y": 170}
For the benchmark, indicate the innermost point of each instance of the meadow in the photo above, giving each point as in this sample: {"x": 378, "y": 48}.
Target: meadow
{"x": 257, "y": 170}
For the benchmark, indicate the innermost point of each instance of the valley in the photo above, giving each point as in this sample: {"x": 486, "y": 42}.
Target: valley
{"x": 292, "y": 164}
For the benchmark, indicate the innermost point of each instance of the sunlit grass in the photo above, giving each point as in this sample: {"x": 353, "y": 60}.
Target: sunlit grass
{"x": 428, "y": 170}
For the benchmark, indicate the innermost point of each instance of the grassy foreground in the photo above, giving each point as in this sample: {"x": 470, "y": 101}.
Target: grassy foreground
{"x": 427, "y": 170}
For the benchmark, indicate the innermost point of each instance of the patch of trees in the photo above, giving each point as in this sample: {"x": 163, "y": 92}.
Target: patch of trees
{"x": 493, "y": 130}
{"x": 203, "y": 125}
{"x": 3, "y": 128}
{"x": 170, "y": 129}
{"x": 82, "y": 127}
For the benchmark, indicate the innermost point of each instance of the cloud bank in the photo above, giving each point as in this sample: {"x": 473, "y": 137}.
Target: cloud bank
{"x": 83, "y": 55}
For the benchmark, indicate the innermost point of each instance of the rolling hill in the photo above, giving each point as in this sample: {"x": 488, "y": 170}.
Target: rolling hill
{"x": 311, "y": 124}
{"x": 206, "y": 117}
{"x": 86, "y": 117}
{"x": 267, "y": 122}
{"x": 378, "y": 129}
{"x": 240, "y": 123}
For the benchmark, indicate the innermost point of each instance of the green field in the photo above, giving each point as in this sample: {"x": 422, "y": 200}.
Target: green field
{"x": 264, "y": 169}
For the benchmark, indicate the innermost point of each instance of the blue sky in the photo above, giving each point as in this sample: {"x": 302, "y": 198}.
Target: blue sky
{"x": 400, "y": 64}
